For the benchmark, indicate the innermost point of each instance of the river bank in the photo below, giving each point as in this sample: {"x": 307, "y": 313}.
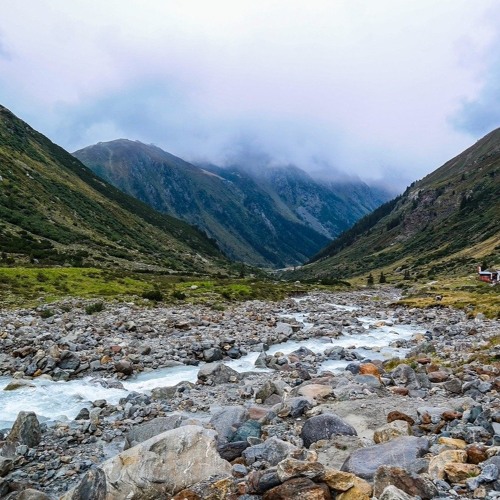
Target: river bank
{"x": 262, "y": 369}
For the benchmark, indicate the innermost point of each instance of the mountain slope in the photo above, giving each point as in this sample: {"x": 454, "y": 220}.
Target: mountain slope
{"x": 328, "y": 207}
{"x": 246, "y": 216}
{"x": 56, "y": 210}
{"x": 446, "y": 222}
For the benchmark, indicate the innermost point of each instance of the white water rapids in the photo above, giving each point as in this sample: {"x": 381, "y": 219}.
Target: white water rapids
{"x": 63, "y": 400}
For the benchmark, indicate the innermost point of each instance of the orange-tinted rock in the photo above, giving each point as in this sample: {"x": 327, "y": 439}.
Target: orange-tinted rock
{"x": 476, "y": 453}
{"x": 298, "y": 489}
{"x": 458, "y": 473}
{"x": 398, "y": 415}
{"x": 451, "y": 415}
{"x": 369, "y": 369}
{"x": 438, "y": 376}
{"x": 423, "y": 361}
{"x": 400, "y": 391}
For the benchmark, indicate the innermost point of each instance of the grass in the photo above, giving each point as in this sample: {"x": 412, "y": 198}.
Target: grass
{"x": 30, "y": 286}
{"x": 466, "y": 293}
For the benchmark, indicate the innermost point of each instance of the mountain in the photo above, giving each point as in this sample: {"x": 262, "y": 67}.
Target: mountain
{"x": 328, "y": 207}
{"x": 448, "y": 222}
{"x": 57, "y": 211}
{"x": 250, "y": 216}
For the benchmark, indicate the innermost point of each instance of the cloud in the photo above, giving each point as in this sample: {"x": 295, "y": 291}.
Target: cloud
{"x": 481, "y": 114}
{"x": 356, "y": 86}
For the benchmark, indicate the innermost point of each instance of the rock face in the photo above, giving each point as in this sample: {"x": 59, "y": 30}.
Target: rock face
{"x": 162, "y": 465}
{"x": 323, "y": 426}
{"x": 401, "y": 451}
{"x": 26, "y": 430}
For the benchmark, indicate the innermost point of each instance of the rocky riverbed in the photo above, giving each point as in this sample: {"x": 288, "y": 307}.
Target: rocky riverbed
{"x": 344, "y": 395}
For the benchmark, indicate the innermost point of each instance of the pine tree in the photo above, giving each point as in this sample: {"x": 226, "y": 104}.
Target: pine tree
{"x": 369, "y": 280}
{"x": 382, "y": 277}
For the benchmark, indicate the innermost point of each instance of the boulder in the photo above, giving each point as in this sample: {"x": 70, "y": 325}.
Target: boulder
{"x": 439, "y": 462}
{"x": 459, "y": 473}
{"x": 227, "y": 420}
{"x": 231, "y": 451}
{"x": 316, "y": 391}
{"x": 124, "y": 366}
{"x": 401, "y": 451}
{"x": 294, "y": 407}
{"x": 291, "y": 468}
{"x": 361, "y": 490}
{"x": 411, "y": 483}
{"x": 298, "y": 489}
{"x": 212, "y": 354}
{"x": 18, "y": 383}
{"x": 323, "y": 427}
{"x": 369, "y": 369}
{"x": 147, "y": 430}
{"x": 404, "y": 375}
{"x": 393, "y": 493}
{"x": 32, "y": 494}
{"x": 214, "y": 488}
{"x": 251, "y": 428}
{"x": 5, "y": 466}
{"x": 395, "y": 429}
{"x": 217, "y": 373}
{"x": 272, "y": 450}
{"x": 26, "y": 430}
{"x": 159, "y": 467}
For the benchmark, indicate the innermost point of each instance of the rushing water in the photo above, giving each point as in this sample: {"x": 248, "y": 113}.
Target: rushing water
{"x": 63, "y": 400}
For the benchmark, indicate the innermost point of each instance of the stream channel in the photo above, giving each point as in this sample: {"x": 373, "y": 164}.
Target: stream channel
{"x": 63, "y": 400}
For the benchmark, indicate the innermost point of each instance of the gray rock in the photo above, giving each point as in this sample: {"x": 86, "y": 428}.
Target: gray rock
{"x": 227, "y": 420}
{"x": 18, "y": 383}
{"x": 251, "y": 428}
{"x": 401, "y": 451}
{"x": 217, "y": 373}
{"x": 157, "y": 468}
{"x": 393, "y": 493}
{"x": 419, "y": 485}
{"x": 70, "y": 361}
{"x": 454, "y": 385}
{"x": 212, "y": 354}
{"x": 93, "y": 485}
{"x": 26, "y": 430}
{"x": 273, "y": 451}
{"x": 404, "y": 375}
{"x": 323, "y": 427}
{"x": 284, "y": 328}
{"x": 32, "y": 494}
{"x": 5, "y": 466}
{"x": 231, "y": 451}
{"x": 294, "y": 407}
{"x": 124, "y": 366}
{"x": 147, "y": 430}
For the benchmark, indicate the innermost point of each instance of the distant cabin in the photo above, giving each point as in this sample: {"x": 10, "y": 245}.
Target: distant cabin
{"x": 488, "y": 275}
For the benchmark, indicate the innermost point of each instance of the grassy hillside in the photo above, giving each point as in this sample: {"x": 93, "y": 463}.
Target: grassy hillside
{"x": 444, "y": 224}
{"x": 55, "y": 211}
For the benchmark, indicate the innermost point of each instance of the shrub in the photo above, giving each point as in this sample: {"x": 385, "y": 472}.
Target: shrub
{"x": 177, "y": 294}
{"x": 155, "y": 295}
{"x": 46, "y": 313}
{"x": 95, "y": 307}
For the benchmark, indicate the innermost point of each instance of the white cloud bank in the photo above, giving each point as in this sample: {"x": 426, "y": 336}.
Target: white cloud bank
{"x": 384, "y": 89}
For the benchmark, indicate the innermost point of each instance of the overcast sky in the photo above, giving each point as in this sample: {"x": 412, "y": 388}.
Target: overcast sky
{"x": 382, "y": 89}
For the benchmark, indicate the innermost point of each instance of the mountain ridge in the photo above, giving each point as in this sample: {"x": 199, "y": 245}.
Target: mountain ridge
{"x": 245, "y": 213}
{"x": 57, "y": 211}
{"x": 446, "y": 221}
